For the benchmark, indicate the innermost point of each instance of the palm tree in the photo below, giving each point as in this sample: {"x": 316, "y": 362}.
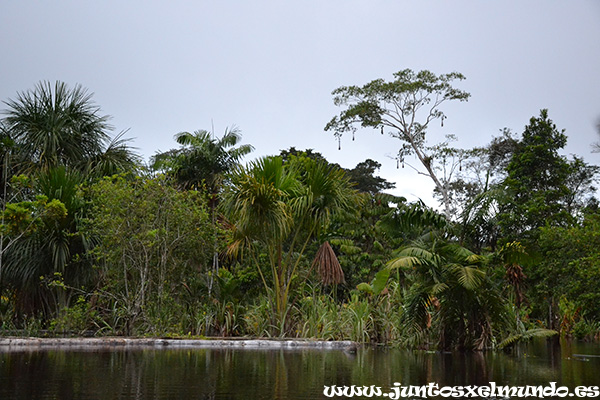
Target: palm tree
{"x": 53, "y": 248}
{"x": 450, "y": 294}
{"x": 53, "y": 125}
{"x": 203, "y": 160}
{"x": 513, "y": 255}
{"x": 257, "y": 204}
{"x": 57, "y": 136}
{"x": 279, "y": 208}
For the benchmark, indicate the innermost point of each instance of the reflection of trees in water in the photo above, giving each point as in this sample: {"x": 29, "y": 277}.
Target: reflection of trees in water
{"x": 226, "y": 374}
{"x": 233, "y": 374}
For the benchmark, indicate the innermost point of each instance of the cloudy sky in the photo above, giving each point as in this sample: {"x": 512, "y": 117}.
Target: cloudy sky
{"x": 268, "y": 67}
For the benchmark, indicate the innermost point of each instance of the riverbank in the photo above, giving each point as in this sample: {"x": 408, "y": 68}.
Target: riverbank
{"x": 7, "y": 343}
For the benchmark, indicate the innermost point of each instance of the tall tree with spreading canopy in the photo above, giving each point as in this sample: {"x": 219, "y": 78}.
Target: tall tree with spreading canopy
{"x": 405, "y": 107}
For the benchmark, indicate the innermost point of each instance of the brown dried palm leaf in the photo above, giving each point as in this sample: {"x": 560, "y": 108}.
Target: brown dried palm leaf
{"x": 329, "y": 268}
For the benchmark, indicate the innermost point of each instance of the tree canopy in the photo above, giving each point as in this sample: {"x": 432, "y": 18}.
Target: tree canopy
{"x": 405, "y": 107}
{"x": 537, "y": 180}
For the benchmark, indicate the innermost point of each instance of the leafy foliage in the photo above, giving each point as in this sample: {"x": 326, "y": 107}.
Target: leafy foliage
{"x": 202, "y": 158}
{"x": 407, "y": 105}
{"x": 537, "y": 180}
{"x": 296, "y": 245}
{"x": 168, "y": 247}
{"x": 279, "y": 209}
{"x": 53, "y": 125}
{"x": 449, "y": 294}
{"x": 48, "y": 241}
{"x": 568, "y": 266}
{"x": 363, "y": 176}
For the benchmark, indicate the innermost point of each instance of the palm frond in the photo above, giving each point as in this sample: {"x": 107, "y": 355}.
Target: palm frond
{"x": 438, "y": 288}
{"x": 404, "y": 262}
{"x": 54, "y": 126}
{"x": 468, "y": 277}
{"x": 424, "y": 255}
{"x": 527, "y": 335}
{"x": 416, "y": 305}
{"x": 118, "y": 157}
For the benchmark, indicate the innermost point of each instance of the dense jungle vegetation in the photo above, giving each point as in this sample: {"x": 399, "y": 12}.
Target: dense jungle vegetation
{"x": 199, "y": 242}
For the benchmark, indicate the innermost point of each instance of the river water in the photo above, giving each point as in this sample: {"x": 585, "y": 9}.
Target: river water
{"x": 279, "y": 374}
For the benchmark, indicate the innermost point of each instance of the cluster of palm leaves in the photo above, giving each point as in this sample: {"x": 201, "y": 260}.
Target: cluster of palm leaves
{"x": 449, "y": 295}
{"x": 54, "y": 125}
{"x": 202, "y": 159}
{"x": 56, "y": 136}
{"x": 276, "y": 209}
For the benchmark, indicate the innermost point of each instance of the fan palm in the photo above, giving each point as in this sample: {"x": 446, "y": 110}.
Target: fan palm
{"x": 258, "y": 206}
{"x": 54, "y": 125}
{"x": 57, "y": 136}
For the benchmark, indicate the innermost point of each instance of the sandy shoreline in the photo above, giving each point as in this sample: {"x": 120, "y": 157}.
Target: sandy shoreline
{"x": 12, "y": 343}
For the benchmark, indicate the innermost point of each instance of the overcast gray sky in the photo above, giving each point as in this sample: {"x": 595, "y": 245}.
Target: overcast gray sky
{"x": 268, "y": 67}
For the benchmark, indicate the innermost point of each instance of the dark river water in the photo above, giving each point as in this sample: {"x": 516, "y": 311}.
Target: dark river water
{"x": 279, "y": 374}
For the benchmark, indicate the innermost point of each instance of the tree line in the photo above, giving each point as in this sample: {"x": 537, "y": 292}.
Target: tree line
{"x": 198, "y": 243}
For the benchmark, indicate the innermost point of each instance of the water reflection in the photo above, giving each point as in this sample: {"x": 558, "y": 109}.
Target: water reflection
{"x": 277, "y": 374}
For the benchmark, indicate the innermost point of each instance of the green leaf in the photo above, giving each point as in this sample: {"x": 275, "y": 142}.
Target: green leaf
{"x": 380, "y": 281}
{"x": 404, "y": 262}
{"x": 365, "y": 287}
{"x": 468, "y": 277}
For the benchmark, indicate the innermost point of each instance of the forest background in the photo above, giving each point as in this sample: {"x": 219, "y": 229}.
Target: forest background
{"x": 198, "y": 243}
